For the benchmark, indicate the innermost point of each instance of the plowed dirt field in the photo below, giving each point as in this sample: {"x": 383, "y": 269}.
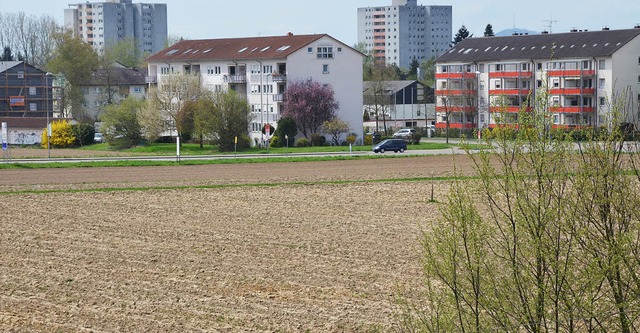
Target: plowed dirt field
{"x": 273, "y": 247}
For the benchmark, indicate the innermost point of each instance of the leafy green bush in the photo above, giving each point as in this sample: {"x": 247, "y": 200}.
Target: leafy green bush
{"x": 415, "y": 138}
{"x": 318, "y": 140}
{"x": 351, "y": 138}
{"x": 368, "y": 140}
{"x": 275, "y": 142}
{"x": 84, "y": 134}
{"x": 303, "y": 142}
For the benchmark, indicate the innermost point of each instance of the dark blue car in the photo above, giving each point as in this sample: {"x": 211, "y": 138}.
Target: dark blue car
{"x": 396, "y": 145}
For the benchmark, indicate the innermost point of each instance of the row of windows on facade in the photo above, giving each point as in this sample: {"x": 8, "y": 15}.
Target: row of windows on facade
{"x": 255, "y": 70}
{"x": 526, "y": 66}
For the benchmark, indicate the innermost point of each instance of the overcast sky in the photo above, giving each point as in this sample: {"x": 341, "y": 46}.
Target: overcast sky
{"x": 196, "y": 19}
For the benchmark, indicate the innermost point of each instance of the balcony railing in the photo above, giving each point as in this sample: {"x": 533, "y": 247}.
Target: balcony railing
{"x": 456, "y": 75}
{"x": 456, "y": 92}
{"x": 572, "y": 91}
{"x": 571, "y": 72}
{"x": 278, "y": 97}
{"x": 151, "y": 79}
{"x": 526, "y": 74}
{"x": 571, "y": 109}
{"x": 509, "y": 92}
{"x": 509, "y": 108}
{"x": 235, "y": 78}
{"x": 455, "y": 108}
{"x": 279, "y": 77}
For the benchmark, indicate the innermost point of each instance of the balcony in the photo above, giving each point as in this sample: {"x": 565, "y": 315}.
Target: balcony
{"x": 571, "y": 109}
{"x": 278, "y": 97}
{"x": 571, "y": 73}
{"x": 456, "y": 92}
{"x": 572, "y": 91}
{"x": 455, "y": 108}
{"x": 235, "y": 78}
{"x": 455, "y": 125}
{"x": 458, "y": 75}
{"x": 151, "y": 79}
{"x": 279, "y": 77}
{"x": 508, "y": 108}
{"x": 510, "y": 74}
{"x": 522, "y": 92}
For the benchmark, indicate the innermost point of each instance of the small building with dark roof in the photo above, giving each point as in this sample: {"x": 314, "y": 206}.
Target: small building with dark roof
{"x": 110, "y": 86}
{"x": 579, "y": 70}
{"x": 393, "y": 105}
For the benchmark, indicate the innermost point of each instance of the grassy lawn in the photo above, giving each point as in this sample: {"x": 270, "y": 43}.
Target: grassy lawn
{"x": 194, "y": 149}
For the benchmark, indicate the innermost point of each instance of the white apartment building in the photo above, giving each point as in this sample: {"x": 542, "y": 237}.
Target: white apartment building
{"x": 579, "y": 71}
{"x": 102, "y": 24}
{"x": 399, "y": 33}
{"x": 259, "y": 68}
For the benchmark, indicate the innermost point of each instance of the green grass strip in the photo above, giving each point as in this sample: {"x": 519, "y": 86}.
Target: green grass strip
{"x": 238, "y": 160}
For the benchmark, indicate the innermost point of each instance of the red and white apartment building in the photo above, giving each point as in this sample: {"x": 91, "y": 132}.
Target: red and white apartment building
{"x": 578, "y": 71}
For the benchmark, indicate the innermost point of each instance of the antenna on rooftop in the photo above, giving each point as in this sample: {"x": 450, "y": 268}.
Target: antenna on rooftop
{"x": 550, "y": 23}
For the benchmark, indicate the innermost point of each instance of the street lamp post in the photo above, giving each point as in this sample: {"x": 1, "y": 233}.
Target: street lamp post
{"x": 46, "y": 91}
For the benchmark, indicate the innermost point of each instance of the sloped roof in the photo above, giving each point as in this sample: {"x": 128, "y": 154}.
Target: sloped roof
{"x": 6, "y": 65}
{"x": 119, "y": 76}
{"x": 274, "y": 47}
{"x": 584, "y": 44}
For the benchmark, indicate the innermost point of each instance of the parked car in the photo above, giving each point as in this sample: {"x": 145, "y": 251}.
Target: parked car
{"x": 396, "y": 145}
{"x": 97, "y": 138}
{"x": 405, "y": 133}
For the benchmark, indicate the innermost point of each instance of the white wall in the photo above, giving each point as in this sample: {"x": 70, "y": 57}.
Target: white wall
{"x": 345, "y": 77}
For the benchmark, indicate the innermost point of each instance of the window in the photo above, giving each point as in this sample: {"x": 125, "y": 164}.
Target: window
{"x": 267, "y": 69}
{"x": 33, "y": 107}
{"x": 137, "y": 89}
{"x": 267, "y": 89}
{"x": 586, "y": 64}
{"x": 217, "y": 70}
{"x": 21, "y": 75}
{"x": 325, "y": 52}
{"x": 601, "y": 64}
{"x": 556, "y": 83}
{"x": 339, "y": 50}
{"x": 164, "y": 70}
{"x": 601, "y": 83}
{"x": 556, "y": 100}
{"x": 556, "y": 118}
{"x": 210, "y": 70}
{"x": 309, "y": 49}
{"x": 539, "y": 66}
{"x": 325, "y": 69}
{"x": 603, "y": 101}
{"x": 255, "y": 69}
{"x": 32, "y": 91}
{"x": 499, "y": 68}
{"x": 255, "y": 88}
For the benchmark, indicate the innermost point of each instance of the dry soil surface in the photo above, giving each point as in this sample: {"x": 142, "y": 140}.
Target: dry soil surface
{"x": 305, "y": 253}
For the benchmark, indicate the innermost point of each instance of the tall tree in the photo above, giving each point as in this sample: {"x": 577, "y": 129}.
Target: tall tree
{"x": 428, "y": 72}
{"x": 31, "y": 38}
{"x": 310, "y": 104}
{"x": 461, "y": 35}
{"x": 378, "y": 97}
{"x": 166, "y": 100}
{"x": 335, "y": 127}
{"x": 488, "y": 31}
{"x": 224, "y": 117}
{"x": 545, "y": 241}
{"x": 77, "y": 61}
{"x": 413, "y": 69}
{"x": 121, "y": 122}
{"x": 6, "y": 54}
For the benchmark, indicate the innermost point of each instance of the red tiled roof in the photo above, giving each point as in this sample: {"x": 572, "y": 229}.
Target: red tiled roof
{"x": 274, "y": 47}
